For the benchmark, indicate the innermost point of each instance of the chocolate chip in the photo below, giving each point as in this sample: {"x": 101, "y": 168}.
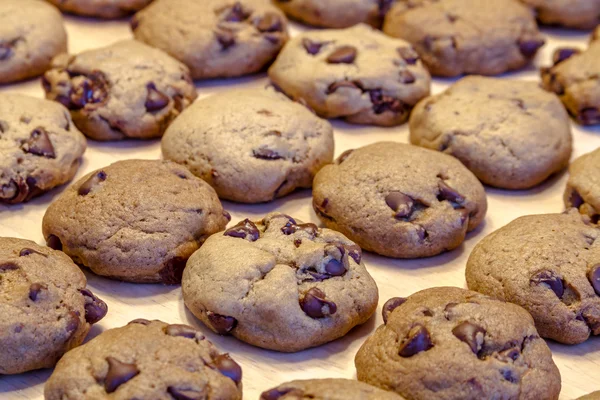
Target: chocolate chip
{"x": 406, "y": 77}
{"x": 550, "y": 280}
{"x": 118, "y": 374}
{"x": 400, "y": 203}
{"x": 311, "y": 46}
{"x": 563, "y": 54}
{"x": 508, "y": 355}
{"x": 343, "y": 156}
{"x": 335, "y": 268}
{"x": 589, "y": 116}
{"x": 266, "y": 154}
{"x": 290, "y": 228}
{"x": 297, "y": 242}
{"x": 6, "y": 51}
{"x": 95, "y": 309}
{"x": 446, "y": 193}
{"x": 448, "y": 310}
{"x": 8, "y": 267}
{"x": 313, "y": 304}
{"x": 39, "y": 144}
{"x": 141, "y": 321}
{"x": 87, "y": 186}
{"x": 235, "y": 13}
{"x": 186, "y": 394}
{"x": 575, "y": 199}
{"x": 221, "y": 324}
{"x": 276, "y": 394}
{"x": 93, "y": 89}
{"x": 383, "y": 103}
{"x": 26, "y": 252}
{"x": 320, "y": 209}
{"x": 354, "y": 251}
{"x": 408, "y": 54}
{"x": 343, "y": 84}
{"x": 172, "y": 272}
{"x": 508, "y": 375}
{"x": 594, "y": 277}
{"x": 245, "y": 229}
{"x": 416, "y": 341}
{"x": 472, "y": 334}
{"x": 155, "y": 99}
{"x": 342, "y": 55}
{"x": 19, "y": 190}
{"x": 181, "y": 330}
{"x": 54, "y": 242}
{"x": 225, "y": 38}
{"x": 73, "y": 323}
{"x": 35, "y": 289}
{"x": 270, "y": 22}
{"x": 528, "y": 46}
{"x": 228, "y": 367}
{"x": 390, "y": 306}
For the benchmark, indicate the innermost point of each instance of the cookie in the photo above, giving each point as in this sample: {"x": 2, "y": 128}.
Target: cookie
{"x": 32, "y": 34}
{"x": 101, "y": 8}
{"x": 357, "y": 73}
{"x": 455, "y": 37}
{"x": 214, "y": 38}
{"x": 40, "y": 148}
{"x": 579, "y": 14}
{"x": 125, "y": 90}
{"x": 134, "y": 220}
{"x": 494, "y": 126}
{"x": 550, "y": 265}
{"x": 251, "y": 145}
{"x": 336, "y": 13}
{"x": 327, "y": 389}
{"x": 45, "y": 310}
{"x": 146, "y": 360}
{"x": 591, "y": 396}
{"x": 574, "y": 77}
{"x": 451, "y": 343}
{"x": 399, "y": 200}
{"x": 583, "y": 186}
{"x": 279, "y": 284}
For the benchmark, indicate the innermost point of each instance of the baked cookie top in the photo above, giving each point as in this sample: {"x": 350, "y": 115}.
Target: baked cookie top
{"x": 580, "y": 14}
{"x": 101, "y": 8}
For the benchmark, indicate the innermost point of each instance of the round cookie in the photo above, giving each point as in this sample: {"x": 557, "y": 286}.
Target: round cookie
{"x": 550, "y": 265}
{"x": 45, "y": 308}
{"x": 31, "y": 34}
{"x": 575, "y": 78}
{"x": 214, "y": 38}
{"x": 39, "y": 147}
{"x": 494, "y": 126}
{"x": 399, "y": 200}
{"x": 455, "y": 37}
{"x": 125, "y": 90}
{"x": 251, "y": 145}
{"x": 134, "y": 220}
{"x": 580, "y": 14}
{"x": 279, "y": 284}
{"x": 583, "y": 186}
{"x": 101, "y": 8}
{"x": 357, "y": 73}
{"x": 336, "y": 13}
{"x": 451, "y": 343}
{"x": 146, "y": 360}
{"x": 327, "y": 389}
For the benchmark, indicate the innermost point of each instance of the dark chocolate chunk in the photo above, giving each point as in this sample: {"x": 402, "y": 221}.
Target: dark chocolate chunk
{"x": 470, "y": 333}
{"x": 400, "y": 203}
{"x": 118, "y": 374}
{"x": 449, "y": 194}
{"x": 342, "y": 55}
{"x": 92, "y": 90}
{"x": 87, "y": 186}
{"x": 26, "y": 252}
{"x": 35, "y": 289}
{"x": 235, "y": 13}
{"x": 172, "y": 272}
{"x": 530, "y": 45}
{"x": 8, "y": 266}
{"x": 564, "y": 53}
{"x": 575, "y": 199}
{"x": 155, "y": 99}
{"x": 39, "y": 144}
{"x": 95, "y": 309}
{"x": 314, "y": 302}
{"x": 550, "y": 280}
{"x": 335, "y": 268}
{"x": 270, "y": 22}
{"x": 417, "y": 341}
{"x": 228, "y": 367}
{"x": 245, "y": 229}
{"x": 383, "y": 103}
{"x": 594, "y": 278}
{"x": 266, "y": 154}
{"x": 390, "y": 306}
{"x": 311, "y": 46}
{"x": 222, "y": 324}
{"x": 54, "y": 242}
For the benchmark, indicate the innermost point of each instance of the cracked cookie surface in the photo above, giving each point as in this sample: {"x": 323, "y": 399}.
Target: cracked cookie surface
{"x": 40, "y": 148}
{"x": 583, "y": 186}
{"x": 580, "y": 14}
{"x": 101, "y": 8}
{"x": 399, "y": 200}
{"x": 279, "y": 284}
{"x": 31, "y": 34}
{"x": 214, "y": 38}
{"x": 251, "y": 145}
{"x": 550, "y": 265}
{"x": 45, "y": 308}
{"x": 575, "y": 78}
{"x": 135, "y": 220}
{"x": 146, "y": 360}
{"x": 327, "y": 389}
{"x": 456, "y": 37}
{"x": 451, "y": 343}
{"x": 125, "y": 90}
{"x": 357, "y": 73}
{"x": 493, "y": 126}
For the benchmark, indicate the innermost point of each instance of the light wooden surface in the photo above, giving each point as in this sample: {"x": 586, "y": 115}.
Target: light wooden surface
{"x": 579, "y": 365}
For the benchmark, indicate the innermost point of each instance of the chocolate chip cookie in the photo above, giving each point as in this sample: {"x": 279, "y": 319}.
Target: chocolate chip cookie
{"x": 583, "y": 186}
{"x": 451, "y": 343}
{"x": 214, "y": 38}
{"x": 32, "y": 34}
{"x": 125, "y": 90}
{"x": 579, "y": 14}
{"x": 327, "y": 389}
{"x": 40, "y": 148}
{"x": 279, "y": 284}
{"x": 101, "y": 8}
{"x": 336, "y": 13}
{"x": 146, "y": 360}
{"x": 494, "y": 126}
{"x": 358, "y": 74}
{"x": 550, "y": 265}
{"x": 399, "y": 200}
{"x": 455, "y": 37}
{"x": 575, "y": 78}
{"x": 251, "y": 145}
{"x": 45, "y": 308}
{"x": 134, "y": 220}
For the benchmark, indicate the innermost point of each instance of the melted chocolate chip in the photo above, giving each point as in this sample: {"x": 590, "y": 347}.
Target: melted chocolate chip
{"x": 594, "y": 278}
{"x": 227, "y": 215}
{"x": 270, "y": 22}
{"x": 400, "y": 203}
{"x": 95, "y": 309}
{"x": 342, "y": 55}
{"x": 39, "y": 144}
{"x": 449, "y": 194}
{"x": 186, "y": 394}
{"x": 225, "y": 38}
{"x": 508, "y": 375}
{"x": 311, "y": 46}
{"x": 530, "y": 45}
{"x": 35, "y": 289}
{"x": 472, "y": 334}
{"x": 354, "y": 251}
{"x": 54, "y": 242}
{"x": 589, "y": 116}
{"x": 172, "y": 272}
{"x": 235, "y": 13}
{"x": 87, "y": 186}
{"x": 19, "y": 190}
{"x": 313, "y": 304}
{"x": 417, "y": 341}
{"x": 228, "y": 367}
{"x": 390, "y": 306}
{"x": 181, "y": 330}
{"x": 26, "y": 252}
{"x": 276, "y": 394}
{"x": 383, "y": 103}
{"x": 290, "y": 228}
{"x": 92, "y": 90}
{"x": 550, "y": 280}
{"x": 222, "y": 324}
{"x": 408, "y": 54}
{"x": 8, "y": 266}
{"x": 245, "y": 229}
{"x": 448, "y": 310}
{"x": 563, "y": 54}
{"x": 118, "y": 374}
{"x": 335, "y": 268}
{"x": 155, "y": 99}
{"x": 266, "y": 154}
{"x": 575, "y": 199}
{"x": 508, "y": 355}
